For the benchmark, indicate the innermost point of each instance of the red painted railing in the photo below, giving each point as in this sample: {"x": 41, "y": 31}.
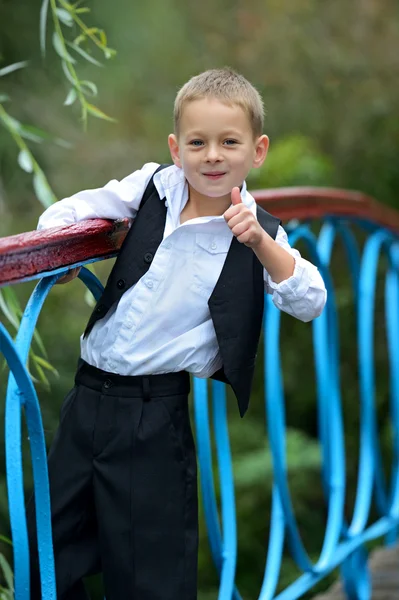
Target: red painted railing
{"x": 26, "y": 255}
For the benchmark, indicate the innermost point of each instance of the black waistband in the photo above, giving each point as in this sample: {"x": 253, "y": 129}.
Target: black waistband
{"x": 167, "y": 384}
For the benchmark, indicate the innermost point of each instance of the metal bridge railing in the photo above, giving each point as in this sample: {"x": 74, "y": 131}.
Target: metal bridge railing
{"x": 47, "y": 255}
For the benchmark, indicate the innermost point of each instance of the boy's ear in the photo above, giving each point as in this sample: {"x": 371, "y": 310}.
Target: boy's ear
{"x": 174, "y": 149}
{"x": 261, "y": 148}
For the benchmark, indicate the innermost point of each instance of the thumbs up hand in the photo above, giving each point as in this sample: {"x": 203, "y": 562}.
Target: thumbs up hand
{"x": 236, "y": 196}
{"x": 242, "y": 222}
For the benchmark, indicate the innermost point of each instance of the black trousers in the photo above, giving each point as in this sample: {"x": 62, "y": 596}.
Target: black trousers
{"x": 123, "y": 488}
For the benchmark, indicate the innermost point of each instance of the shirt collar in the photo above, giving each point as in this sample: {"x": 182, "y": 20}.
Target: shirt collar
{"x": 173, "y": 176}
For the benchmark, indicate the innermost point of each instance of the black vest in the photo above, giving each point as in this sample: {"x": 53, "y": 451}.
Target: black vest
{"x": 236, "y": 304}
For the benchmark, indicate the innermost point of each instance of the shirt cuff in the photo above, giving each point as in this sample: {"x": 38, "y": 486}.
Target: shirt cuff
{"x": 297, "y": 285}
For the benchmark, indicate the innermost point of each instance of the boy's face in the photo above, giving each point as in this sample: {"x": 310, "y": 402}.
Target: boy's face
{"x": 216, "y": 147}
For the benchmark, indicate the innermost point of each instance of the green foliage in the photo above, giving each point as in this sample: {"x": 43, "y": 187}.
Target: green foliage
{"x": 68, "y": 15}
{"x": 7, "y": 590}
{"x": 20, "y": 133}
{"x": 38, "y": 362}
{"x": 303, "y": 453}
{"x": 294, "y": 161}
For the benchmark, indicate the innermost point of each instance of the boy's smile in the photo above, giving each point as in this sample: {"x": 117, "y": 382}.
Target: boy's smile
{"x": 216, "y": 149}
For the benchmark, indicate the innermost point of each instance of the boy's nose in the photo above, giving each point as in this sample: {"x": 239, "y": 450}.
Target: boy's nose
{"x": 213, "y": 154}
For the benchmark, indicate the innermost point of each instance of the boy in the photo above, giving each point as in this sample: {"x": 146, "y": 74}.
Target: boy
{"x": 185, "y": 296}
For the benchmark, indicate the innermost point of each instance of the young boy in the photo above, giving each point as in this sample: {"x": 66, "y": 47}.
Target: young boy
{"x": 185, "y": 296}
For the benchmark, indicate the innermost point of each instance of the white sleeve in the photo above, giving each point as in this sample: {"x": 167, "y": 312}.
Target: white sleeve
{"x": 303, "y": 295}
{"x": 116, "y": 200}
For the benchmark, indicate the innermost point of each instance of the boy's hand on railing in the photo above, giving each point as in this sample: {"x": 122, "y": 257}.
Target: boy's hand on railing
{"x": 70, "y": 275}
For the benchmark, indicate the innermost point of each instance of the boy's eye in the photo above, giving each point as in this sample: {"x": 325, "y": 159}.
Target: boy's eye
{"x": 196, "y": 143}
{"x": 230, "y": 142}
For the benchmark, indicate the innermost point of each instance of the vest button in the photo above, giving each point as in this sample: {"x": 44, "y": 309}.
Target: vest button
{"x": 100, "y": 308}
{"x": 107, "y": 384}
{"x": 148, "y": 257}
{"x": 121, "y": 283}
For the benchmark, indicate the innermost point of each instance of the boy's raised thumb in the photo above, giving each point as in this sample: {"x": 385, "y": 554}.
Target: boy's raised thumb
{"x": 236, "y": 196}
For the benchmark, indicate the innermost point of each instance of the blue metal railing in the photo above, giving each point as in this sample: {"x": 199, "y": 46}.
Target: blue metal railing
{"x": 343, "y": 544}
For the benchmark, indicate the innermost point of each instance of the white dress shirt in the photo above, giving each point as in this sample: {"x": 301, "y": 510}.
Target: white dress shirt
{"x": 162, "y": 324}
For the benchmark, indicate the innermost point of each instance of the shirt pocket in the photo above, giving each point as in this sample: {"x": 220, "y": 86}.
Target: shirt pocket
{"x": 210, "y": 253}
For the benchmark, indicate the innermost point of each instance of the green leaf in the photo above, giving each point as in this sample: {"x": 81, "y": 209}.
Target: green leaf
{"x": 64, "y": 16}
{"x": 6, "y": 594}
{"x": 89, "y": 298}
{"x": 78, "y": 40}
{"x": 85, "y": 55}
{"x": 42, "y": 189}
{"x": 11, "y": 123}
{"x": 13, "y": 67}
{"x": 62, "y": 143}
{"x": 39, "y": 342}
{"x": 81, "y": 11}
{"x": 12, "y": 300}
{"x": 8, "y": 575}
{"x": 89, "y": 88}
{"x": 103, "y": 36}
{"x": 68, "y": 6}
{"x": 96, "y": 112}
{"x": 7, "y": 309}
{"x": 4, "y": 98}
{"x": 25, "y": 161}
{"x": 59, "y": 47}
{"x": 109, "y": 53}
{"x": 45, "y": 364}
{"x": 68, "y": 74}
{"x": 43, "y": 24}
{"x": 42, "y": 377}
{"x": 28, "y": 133}
{"x": 35, "y": 134}
{"x": 71, "y": 97}
{"x": 5, "y": 539}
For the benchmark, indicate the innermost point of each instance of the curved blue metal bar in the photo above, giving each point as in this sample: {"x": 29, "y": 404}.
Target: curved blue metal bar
{"x": 91, "y": 282}
{"x": 385, "y": 499}
{"x": 330, "y": 402}
{"x": 206, "y": 470}
{"x": 343, "y": 551}
{"x": 224, "y": 549}
{"x": 21, "y": 392}
{"x": 26, "y": 396}
{"x": 329, "y": 231}
{"x": 392, "y": 329}
{"x": 368, "y": 428}
{"x": 356, "y": 580}
{"x": 226, "y": 490}
{"x": 38, "y": 452}
{"x": 275, "y": 548}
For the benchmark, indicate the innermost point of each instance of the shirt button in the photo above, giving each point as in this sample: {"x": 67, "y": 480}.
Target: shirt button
{"x": 148, "y": 257}
{"x": 121, "y": 283}
{"x": 213, "y": 246}
{"x": 150, "y": 284}
{"x": 129, "y": 324}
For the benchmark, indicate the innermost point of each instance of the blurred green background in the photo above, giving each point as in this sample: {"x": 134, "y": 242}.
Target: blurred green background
{"x": 328, "y": 73}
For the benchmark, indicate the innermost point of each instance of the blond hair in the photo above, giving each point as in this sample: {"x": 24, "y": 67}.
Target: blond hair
{"x": 227, "y": 86}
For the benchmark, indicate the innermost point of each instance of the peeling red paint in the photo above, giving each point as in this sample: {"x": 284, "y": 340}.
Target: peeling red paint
{"x": 25, "y": 255}
{"x": 28, "y": 254}
{"x": 314, "y": 203}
